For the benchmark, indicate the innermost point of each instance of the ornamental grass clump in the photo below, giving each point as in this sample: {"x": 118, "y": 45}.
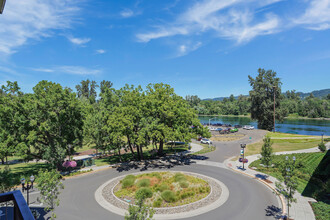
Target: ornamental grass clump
{"x": 163, "y": 187}
{"x": 128, "y": 181}
{"x": 158, "y": 202}
{"x": 179, "y": 177}
{"x": 184, "y": 184}
{"x": 168, "y": 196}
{"x": 143, "y": 193}
{"x": 143, "y": 183}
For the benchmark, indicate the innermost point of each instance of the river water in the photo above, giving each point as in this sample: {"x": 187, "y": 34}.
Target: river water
{"x": 293, "y": 126}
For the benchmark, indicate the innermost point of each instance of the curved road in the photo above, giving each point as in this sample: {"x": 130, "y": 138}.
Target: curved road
{"x": 248, "y": 199}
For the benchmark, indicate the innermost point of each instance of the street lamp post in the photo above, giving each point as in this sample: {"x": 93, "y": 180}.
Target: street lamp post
{"x": 210, "y": 120}
{"x": 242, "y": 152}
{"x": 322, "y": 137}
{"x": 27, "y": 187}
{"x": 274, "y": 106}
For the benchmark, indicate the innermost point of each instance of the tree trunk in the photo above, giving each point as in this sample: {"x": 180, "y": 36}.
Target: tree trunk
{"x": 130, "y": 147}
{"x": 161, "y": 146}
{"x": 2, "y": 161}
{"x": 141, "y": 151}
{"x": 119, "y": 155}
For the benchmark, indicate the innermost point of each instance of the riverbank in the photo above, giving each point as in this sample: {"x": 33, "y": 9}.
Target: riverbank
{"x": 249, "y": 116}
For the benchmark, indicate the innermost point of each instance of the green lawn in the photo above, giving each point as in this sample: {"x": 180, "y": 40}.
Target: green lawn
{"x": 285, "y": 135}
{"x": 312, "y": 171}
{"x": 206, "y": 149}
{"x": 25, "y": 170}
{"x": 284, "y": 145}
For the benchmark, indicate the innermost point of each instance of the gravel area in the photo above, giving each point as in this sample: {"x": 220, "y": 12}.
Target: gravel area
{"x": 215, "y": 194}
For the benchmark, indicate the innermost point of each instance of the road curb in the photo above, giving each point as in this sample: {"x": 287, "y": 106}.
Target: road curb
{"x": 265, "y": 183}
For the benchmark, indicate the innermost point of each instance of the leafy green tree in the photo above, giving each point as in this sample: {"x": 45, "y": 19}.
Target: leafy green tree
{"x": 55, "y": 121}
{"x": 170, "y": 117}
{"x": 267, "y": 152}
{"x": 12, "y": 119}
{"x": 87, "y": 90}
{"x": 289, "y": 188}
{"x": 7, "y": 180}
{"x": 264, "y": 86}
{"x": 49, "y": 185}
{"x": 139, "y": 211}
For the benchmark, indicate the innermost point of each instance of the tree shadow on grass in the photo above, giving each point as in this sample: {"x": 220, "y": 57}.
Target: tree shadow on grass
{"x": 320, "y": 179}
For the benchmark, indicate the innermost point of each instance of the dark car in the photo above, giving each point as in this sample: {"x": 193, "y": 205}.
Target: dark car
{"x": 200, "y": 138}
{"x": 238, "y": 126}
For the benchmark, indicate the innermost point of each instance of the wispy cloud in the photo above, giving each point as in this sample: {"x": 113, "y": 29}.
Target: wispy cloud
{"x": 100, "y": 51}
{"x": 78, "y": 41}
{"x": 186, "y": 48}
{"x": 225, "y": 18}
{"x": 126, "y": 13}
{"x": 32, "y": 20}
{"x": 75, "y": 70}
{"x": 316, "y": 16}
{"x": 45, "y": 70}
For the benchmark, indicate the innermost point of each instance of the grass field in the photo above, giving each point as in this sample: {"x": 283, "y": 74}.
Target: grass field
{"x": 206, "y": 149}
{"x": 312, "y": 170}
{"x": 289, "y": 142}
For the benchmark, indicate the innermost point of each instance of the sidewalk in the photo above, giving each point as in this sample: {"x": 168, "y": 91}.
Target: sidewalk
{"x": 298, "y": 211}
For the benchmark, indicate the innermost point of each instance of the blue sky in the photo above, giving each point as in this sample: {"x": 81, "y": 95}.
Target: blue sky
{"x": 206, "y": 48}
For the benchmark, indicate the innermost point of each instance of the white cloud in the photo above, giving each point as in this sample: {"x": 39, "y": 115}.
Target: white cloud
{"x": 188, "y": 47}
{"x": 126, "y": 13}
{"x": 78, "y": 41}
{"x": 316, "y": 16}
{"x": 230, "y": 19}
{"x": 76, "y": 70}
{"x": 100, "y": 51}
{"x": 25, "y": 20}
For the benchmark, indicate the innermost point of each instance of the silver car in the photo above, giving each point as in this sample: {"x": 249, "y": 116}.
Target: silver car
{"x": 206, "y": 141}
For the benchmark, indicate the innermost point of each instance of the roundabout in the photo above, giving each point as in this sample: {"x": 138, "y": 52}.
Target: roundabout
{"x": 247, "y": 198}
{"x": 217, "y": 196}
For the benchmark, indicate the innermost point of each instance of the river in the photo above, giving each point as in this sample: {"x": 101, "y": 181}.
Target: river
{"x": 293, "y": 126}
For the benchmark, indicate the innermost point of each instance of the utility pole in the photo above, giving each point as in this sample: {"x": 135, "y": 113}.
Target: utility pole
{"x": 274, "y": 106}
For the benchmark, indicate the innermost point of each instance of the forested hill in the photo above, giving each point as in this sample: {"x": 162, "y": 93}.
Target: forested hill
{"x": 316, "y": 93}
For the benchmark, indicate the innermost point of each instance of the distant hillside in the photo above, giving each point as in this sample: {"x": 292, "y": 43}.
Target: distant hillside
{"x": 316, "y": 93}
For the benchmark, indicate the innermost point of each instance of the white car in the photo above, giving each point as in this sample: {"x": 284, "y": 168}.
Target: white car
{"x": 248, "y": 127}
{"x": 206, "y": 141}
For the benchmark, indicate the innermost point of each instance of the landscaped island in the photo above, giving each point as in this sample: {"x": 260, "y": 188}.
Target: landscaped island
{"x": 163, "y": 189}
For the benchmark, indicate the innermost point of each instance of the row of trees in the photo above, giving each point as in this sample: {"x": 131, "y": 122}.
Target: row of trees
{"x": 290, "y": 102}
{"x": 53, "y": 121}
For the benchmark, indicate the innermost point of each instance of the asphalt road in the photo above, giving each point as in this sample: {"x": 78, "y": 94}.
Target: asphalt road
{"x": 248, "y": 198}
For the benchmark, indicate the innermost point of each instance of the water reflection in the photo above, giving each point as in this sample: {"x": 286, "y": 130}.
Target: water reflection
{"x": 294, "y": 126}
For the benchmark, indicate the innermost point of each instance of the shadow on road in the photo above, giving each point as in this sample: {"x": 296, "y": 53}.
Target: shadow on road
{"x": 274, "y": 211}
{"x": 166, "y": 162}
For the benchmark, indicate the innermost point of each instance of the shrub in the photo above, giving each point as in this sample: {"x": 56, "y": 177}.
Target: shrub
{"x": 168, "y": 196}
{"x": 184, "y": 184}
{"x": 322, "y": 147}
{"x": 143, "y": 192}
{"x": 179, "y": 177}
{"x": 143, "y": 183}
{"x": 163, "y": 187}
{"x": 157, "y": 202}
{"x": 127, "y": 182}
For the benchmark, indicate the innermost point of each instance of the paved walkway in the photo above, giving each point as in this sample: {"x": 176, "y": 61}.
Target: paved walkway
{"x": 300, "y": 210}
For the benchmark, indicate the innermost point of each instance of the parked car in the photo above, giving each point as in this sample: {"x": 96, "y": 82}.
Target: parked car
{"x": 206, "y": 141}
{"x": 238, "y": 126}
{"x": 248, "y": 127}
{"x": 218, "y": 129}
{"x": 233, "y": 130}
{"x": 199, "y": 139}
